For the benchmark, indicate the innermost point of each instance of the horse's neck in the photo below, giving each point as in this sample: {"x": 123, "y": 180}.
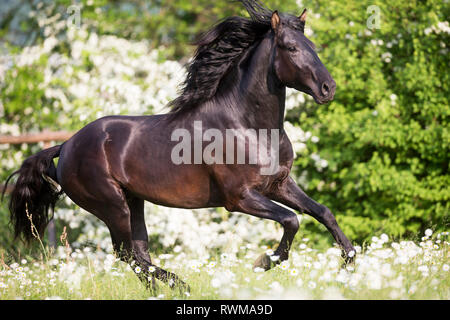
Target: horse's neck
{"x": 249, "y": 96}
{"x": 263, "y": 96}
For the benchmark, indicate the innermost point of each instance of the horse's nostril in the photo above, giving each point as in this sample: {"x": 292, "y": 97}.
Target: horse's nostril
{"x": 325, "y": 89}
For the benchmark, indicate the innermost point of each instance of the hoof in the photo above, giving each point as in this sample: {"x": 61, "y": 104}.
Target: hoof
{"x": 263, "y": 262}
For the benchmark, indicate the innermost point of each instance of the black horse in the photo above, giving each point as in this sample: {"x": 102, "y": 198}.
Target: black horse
{"x": 237, "y": 80}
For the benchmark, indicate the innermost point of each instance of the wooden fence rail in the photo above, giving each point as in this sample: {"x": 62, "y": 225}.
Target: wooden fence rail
{"x": 45, "y": 136}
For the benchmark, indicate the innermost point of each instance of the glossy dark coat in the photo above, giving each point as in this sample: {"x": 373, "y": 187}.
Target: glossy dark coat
{"x": 115, "y": 163}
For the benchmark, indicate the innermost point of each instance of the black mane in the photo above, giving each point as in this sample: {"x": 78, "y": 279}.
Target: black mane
{"x": 217, "y": 51}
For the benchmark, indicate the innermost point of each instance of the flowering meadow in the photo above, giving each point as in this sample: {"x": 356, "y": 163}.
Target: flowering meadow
{"x": 383, "y": 269}
{"x": 377, "y": 155}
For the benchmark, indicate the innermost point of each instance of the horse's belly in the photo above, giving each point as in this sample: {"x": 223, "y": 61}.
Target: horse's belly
{"x": 182, "y": 186}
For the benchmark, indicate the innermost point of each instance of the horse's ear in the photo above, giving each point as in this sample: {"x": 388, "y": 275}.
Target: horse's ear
{"x": 302, "y": 17}
{"x": 275, "y": 21}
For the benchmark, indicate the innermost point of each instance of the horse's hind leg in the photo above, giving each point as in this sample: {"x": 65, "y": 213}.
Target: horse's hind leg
{"x": 107, "y": 201}
{"x": 139, "y": 240}
{"x": 124, "y": 217}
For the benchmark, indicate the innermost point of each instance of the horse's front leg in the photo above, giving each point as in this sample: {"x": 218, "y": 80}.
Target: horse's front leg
{"x": 254, "y": 203}
{"x": 289, "y": 194}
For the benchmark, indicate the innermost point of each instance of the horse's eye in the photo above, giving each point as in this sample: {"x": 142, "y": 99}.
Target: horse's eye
{"x": 292, "y": 48}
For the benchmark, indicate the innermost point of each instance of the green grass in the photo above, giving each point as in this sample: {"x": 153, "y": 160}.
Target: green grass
{"x": 382, "y": 270}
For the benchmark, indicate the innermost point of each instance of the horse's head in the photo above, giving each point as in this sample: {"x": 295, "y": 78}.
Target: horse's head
{"x": 296, "y": 63}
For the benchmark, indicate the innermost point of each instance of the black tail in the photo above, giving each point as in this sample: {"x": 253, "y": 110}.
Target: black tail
{"x": 34, "y": 194}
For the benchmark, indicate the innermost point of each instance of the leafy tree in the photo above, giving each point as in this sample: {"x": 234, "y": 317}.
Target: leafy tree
{"x": 385, "y": 136}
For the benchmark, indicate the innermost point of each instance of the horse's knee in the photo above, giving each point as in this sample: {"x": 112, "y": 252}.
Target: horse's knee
{"x": 291, "y": 223}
